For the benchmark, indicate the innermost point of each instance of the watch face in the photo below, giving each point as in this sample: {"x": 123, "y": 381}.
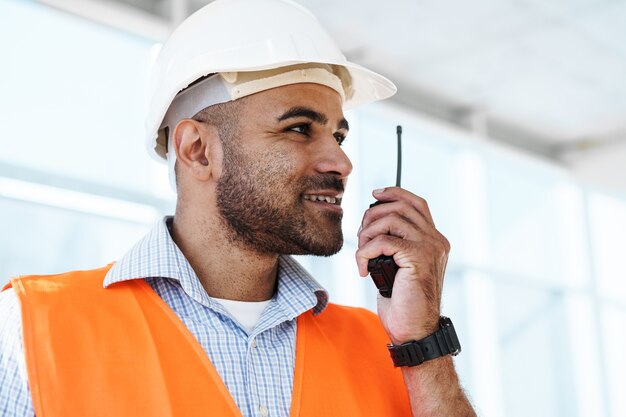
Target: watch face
{"x": 449, "y": 333}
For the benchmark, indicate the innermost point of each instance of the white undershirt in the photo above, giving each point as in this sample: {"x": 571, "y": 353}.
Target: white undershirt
{"x": 247, "y": 313}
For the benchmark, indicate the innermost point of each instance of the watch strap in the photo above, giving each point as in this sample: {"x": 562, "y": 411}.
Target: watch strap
{"x": 441, "y": 343}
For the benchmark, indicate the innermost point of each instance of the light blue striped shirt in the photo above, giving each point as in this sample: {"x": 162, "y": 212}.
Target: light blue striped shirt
{"x": 257, "y": 368}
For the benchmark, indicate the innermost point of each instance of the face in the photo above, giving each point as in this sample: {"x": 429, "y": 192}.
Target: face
{"x": 284, "y": 172}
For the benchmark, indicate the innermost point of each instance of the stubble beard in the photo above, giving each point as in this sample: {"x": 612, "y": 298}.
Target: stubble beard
{"x": 263, "y": 211}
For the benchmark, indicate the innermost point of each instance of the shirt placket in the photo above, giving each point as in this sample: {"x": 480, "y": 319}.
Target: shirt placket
{"x": 257, "y": 383}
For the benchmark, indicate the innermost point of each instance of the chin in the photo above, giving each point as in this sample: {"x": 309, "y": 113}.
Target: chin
{"x": 324, "y": 245}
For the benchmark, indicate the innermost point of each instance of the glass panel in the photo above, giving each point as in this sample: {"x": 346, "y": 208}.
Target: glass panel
{"x": 75, "y": 94}
{"x": 38, "y": 239}
{"x": 614, "y": 342}
{"x": 535, "y": 361}
{"x": 525, "y": 216}
{"x": 582, "y": 325}
{"x": 571, "y": 225}
{"x": 483, "y": 347}
{"x": 608, "y": 237}
{"x": 473, "y": 215}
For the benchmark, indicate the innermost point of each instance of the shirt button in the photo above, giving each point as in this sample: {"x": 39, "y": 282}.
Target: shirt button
{"x": 263, "y": 411}
{"x": 253, "y": 343}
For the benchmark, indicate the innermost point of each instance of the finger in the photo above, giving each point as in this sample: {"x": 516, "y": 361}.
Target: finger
{"x": 397, "y": 193}
{"x": 406, "y": 253}
{"x": 380, "y": 245}
{"x": 403, "y": 209}
{"x": 391, "y": 224}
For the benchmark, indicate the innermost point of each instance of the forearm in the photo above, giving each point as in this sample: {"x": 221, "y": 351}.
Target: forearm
{"x": 434, "y": 390}
{"x": 403, "y": 227}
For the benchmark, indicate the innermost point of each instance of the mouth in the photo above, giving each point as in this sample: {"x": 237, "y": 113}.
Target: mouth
{"x": 332, "y": 198}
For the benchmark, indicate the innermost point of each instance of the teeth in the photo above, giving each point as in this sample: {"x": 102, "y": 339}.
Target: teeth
{"x": 327, "y": 199}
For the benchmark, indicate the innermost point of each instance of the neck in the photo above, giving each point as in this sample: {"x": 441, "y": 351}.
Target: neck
{"x": 226, "y": 270}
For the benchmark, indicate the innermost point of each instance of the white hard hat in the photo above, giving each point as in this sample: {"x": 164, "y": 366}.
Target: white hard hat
{"x": 234, "y": 36}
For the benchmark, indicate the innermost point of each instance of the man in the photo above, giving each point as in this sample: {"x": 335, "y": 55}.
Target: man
{"x": 208, "y": 315}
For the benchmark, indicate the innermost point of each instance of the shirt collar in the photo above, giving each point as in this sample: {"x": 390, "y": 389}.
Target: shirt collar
{"x": 157, "y": 255}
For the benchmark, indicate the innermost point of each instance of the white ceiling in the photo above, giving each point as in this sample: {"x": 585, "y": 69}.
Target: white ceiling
{"x": 548, "y": 70}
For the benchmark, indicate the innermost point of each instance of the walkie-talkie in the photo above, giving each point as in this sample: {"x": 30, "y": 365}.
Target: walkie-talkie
{"x": 383, "y": 269}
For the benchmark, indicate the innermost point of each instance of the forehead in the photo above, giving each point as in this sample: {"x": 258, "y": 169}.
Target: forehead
{"x": 270, "y": 104}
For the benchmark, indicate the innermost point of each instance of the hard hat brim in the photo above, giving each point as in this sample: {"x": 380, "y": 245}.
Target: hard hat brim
{"x": 368, "y": 87}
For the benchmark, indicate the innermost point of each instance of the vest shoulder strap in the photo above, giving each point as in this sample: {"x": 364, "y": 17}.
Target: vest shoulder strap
{"x": 118, "y": 351}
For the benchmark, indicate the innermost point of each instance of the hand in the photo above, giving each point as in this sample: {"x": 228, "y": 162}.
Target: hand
{"x": 403, "y": 228}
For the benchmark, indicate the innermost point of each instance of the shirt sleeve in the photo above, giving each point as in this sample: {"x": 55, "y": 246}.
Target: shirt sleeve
{"x": 15, "y": 400}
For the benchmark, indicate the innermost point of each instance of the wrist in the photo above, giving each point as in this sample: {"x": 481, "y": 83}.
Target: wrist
{"x": 410, "y": 335}
{"x": 442, "y": 342}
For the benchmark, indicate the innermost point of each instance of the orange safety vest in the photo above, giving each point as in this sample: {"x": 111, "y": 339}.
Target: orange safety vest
{"x": 122, "y": 351}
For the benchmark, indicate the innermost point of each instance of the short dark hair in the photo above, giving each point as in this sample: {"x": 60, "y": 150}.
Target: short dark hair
{"x": 225, "y": 117}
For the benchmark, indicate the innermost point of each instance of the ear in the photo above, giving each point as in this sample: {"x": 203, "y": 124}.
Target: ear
{"x": 195, "y": 145}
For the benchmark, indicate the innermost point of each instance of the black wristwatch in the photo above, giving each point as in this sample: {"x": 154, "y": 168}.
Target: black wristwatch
{"x": 443, "y": 342}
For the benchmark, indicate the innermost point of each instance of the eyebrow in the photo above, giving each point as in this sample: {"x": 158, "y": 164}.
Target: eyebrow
{"x": 310, "y": 114}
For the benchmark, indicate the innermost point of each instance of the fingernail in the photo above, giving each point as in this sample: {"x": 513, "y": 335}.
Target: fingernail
{"x": 379, "y": 191}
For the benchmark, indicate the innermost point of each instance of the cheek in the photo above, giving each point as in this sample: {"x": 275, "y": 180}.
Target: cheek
{"x": 279, "y": 167}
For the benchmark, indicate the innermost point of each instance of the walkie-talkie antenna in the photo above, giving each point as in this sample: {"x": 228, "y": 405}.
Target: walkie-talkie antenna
{"x": 399, "y": 171}
{"x": 383, "y": 268}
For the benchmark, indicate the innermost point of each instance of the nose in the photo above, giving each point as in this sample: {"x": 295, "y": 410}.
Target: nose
{"x": 332, "y": 159}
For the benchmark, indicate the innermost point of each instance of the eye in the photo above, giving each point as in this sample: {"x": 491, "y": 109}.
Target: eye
{"x": 340, "y": 137}
{"x": 303, "y": 128}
